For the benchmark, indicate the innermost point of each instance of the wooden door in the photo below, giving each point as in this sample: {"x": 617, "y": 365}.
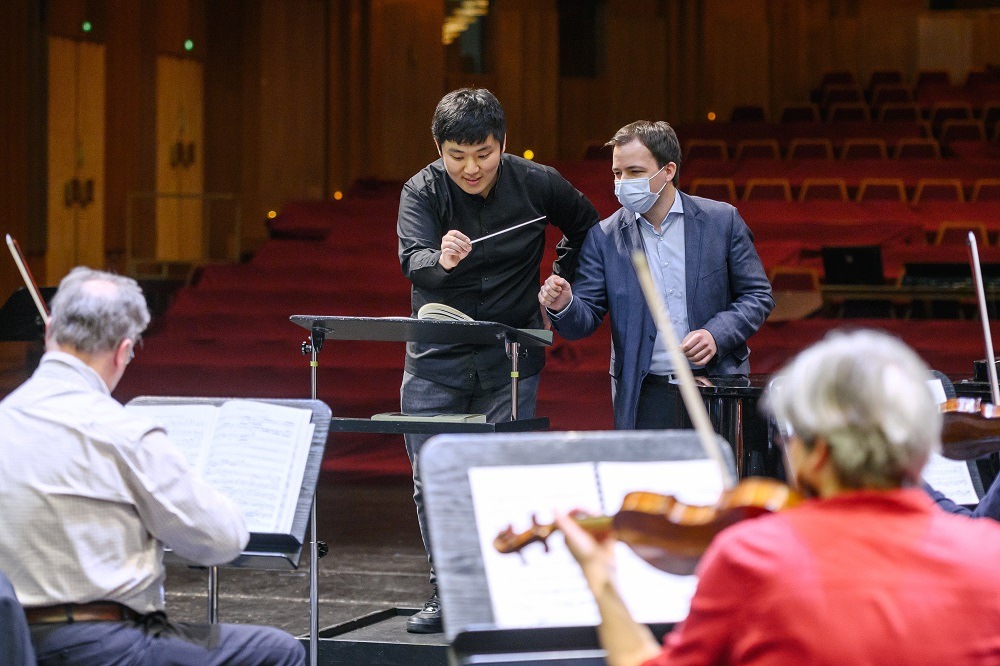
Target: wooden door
{"x": 180, "y": 231}
{"x": 75, "y": 157}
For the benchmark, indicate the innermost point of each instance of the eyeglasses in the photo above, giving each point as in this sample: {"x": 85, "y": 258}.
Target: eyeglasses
{"x": 131, "y": 350}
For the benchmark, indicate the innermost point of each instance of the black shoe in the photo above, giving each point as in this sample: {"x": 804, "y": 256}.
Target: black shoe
{"x": 427, "y": 621}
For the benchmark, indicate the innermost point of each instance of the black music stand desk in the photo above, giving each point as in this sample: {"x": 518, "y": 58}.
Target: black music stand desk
{"x": 465, "y": 598}
{"x": 19, "y": 318}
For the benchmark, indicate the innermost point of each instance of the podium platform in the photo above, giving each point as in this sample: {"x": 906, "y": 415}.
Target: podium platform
{"x": 380, "y": 639}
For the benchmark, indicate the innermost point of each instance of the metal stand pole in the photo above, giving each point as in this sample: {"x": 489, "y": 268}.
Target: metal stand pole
{"x": 317, "y": 343}
{"x": 515, "y": 350}
{"x": 213, "y": 595}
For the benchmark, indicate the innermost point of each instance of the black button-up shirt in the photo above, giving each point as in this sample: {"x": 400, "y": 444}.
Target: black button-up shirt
{"x": 498, "y": 281}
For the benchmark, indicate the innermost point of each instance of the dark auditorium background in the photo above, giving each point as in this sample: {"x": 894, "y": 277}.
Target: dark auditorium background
{"x": 259, "y": 104}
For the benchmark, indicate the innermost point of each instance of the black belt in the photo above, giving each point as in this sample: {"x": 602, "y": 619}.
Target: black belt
{"x": 667, "y": 379}
{"x": 95, "y": 611}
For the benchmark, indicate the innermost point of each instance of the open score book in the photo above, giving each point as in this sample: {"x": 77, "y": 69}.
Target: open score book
{"x": 253, "y": 452}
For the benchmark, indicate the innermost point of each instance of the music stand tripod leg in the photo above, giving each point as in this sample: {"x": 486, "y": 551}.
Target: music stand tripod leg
{"x": 317, "y": 344}
{"x": 213, "y": 595}
{"x": 515, "y": 351}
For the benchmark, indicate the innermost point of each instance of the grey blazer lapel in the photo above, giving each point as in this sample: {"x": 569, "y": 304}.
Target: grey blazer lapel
{"x": 693, "y": 238}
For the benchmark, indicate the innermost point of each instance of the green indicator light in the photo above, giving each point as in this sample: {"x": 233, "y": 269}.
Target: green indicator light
{"x": 188, "y": 44}
{"x": 87, "y": 26}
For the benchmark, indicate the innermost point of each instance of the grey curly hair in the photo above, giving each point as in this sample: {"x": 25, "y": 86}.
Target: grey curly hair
{"x": 866, "y": 393}
{"x": 93, "y": 311}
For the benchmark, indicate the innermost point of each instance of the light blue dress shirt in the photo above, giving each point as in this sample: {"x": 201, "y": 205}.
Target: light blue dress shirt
{"x": 665, "y": 255}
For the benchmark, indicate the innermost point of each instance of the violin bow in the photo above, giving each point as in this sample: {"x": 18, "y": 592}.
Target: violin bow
{"x": 977, "y": 274}
{"x": 29, "y": 281}
{"x": 689, "y": 391}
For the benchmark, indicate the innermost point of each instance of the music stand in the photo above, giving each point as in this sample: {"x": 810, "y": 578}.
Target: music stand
{"x": 462, "y": 585}
{"x": 407, "y": 329}
{"x": 19, "y": 318}
{"x": 265, "y": 551}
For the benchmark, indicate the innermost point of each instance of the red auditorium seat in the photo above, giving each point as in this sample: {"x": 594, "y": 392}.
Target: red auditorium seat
{"x": 758, "y": 149}
{"x": 706, "y": 149}
{"x": 962, "y": 130}
{"x": 893, "y": 93}
{"x": 864, "y": 149}
{"x": 721, "y": 189}
{"x": 841, "y": 94}
{"x": 881, "y": 189}
{"x": 991, "y": 119}
{"x": 957, "y": 233}
{"x": 945, "y": 111}
{"x": 932, "y": 78}
{"x": 747, "y": 113}
{"x": 912, "y": 148}
{"x": 985, "y": 189}
{"x": 799, "y": 113}
{"x": 938, "y": 189}
{"x": 814, "y": 189}
{"x": 810, "y": 149}
{"x": 848, "y": 112}
{"x": 885, "y": 77}
{"x": 767, "y": 189}
{"x": 899, "y": 113}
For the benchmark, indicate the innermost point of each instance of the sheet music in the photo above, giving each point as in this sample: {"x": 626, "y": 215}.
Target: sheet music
{"x": 952, "y": 478}
{"x": 535, "y": 589}
{"x": 652, "y": 595}
{"x": 253, "y": 452}
{"x": 189, "y": 429}
{"x": 261, "y": 441}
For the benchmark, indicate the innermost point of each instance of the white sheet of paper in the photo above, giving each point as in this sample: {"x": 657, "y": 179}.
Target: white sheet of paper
{"x": 189, "y": 428}
{"x": 260, "y": 439}
{"x": 952, "y": 478}
{"x": 534, "y": 588}
{"x": 650, "y": 594}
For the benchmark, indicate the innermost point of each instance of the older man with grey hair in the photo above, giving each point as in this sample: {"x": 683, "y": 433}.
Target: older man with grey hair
{"x": 90, "y": 494}
{"x": 867, "y": 570}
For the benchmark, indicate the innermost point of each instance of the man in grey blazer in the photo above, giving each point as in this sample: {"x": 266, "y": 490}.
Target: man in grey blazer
{"x": 704, "y": 265}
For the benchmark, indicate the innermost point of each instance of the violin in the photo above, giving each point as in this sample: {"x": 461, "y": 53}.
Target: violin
{"x": 662, "y": 530}
{"x": 970, "y": 428}
{"x": 665, "y": 532}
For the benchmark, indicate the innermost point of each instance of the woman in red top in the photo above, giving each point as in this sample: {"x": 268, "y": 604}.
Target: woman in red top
{"x": 868, "y": 571}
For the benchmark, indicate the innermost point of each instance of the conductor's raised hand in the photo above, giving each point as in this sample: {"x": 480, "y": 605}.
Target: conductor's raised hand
{"x": 455, "y": 246}
{"x": 555, "y": 293}
{"x": 699, "y": 347}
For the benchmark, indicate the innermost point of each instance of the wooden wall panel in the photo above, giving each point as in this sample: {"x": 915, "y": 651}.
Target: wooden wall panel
{"x": 525, "y": 57}
{"x": 291, "y": 101}
{"x": 406, "y": 82}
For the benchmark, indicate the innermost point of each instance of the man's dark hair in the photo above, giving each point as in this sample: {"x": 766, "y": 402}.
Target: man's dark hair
{"x": 659, "y": 137}
{"x": 468, "y": 116}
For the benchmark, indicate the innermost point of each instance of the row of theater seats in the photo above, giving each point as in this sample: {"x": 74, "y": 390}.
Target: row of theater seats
{"x": 897, "y": 110}
{"x": 832, "y": 188}
{"x": 822, "y": 147}
{"x": 847, "y": 141}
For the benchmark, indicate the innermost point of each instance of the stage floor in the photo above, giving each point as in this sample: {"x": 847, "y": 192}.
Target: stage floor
{"x": 376, "y": 561}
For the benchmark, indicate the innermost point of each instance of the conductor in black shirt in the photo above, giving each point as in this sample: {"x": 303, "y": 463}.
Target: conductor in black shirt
{"x": 474, "y": 190}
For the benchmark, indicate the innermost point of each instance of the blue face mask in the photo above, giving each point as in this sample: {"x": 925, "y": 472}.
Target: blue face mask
{"x": 636, "y": 194}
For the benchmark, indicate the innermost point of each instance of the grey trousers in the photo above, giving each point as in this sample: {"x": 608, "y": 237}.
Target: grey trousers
{"x": 422, "y": 396}
{"x": 155, "y": 640}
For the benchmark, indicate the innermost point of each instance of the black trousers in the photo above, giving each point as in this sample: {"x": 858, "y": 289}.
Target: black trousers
{"x": 660, "y": 405}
